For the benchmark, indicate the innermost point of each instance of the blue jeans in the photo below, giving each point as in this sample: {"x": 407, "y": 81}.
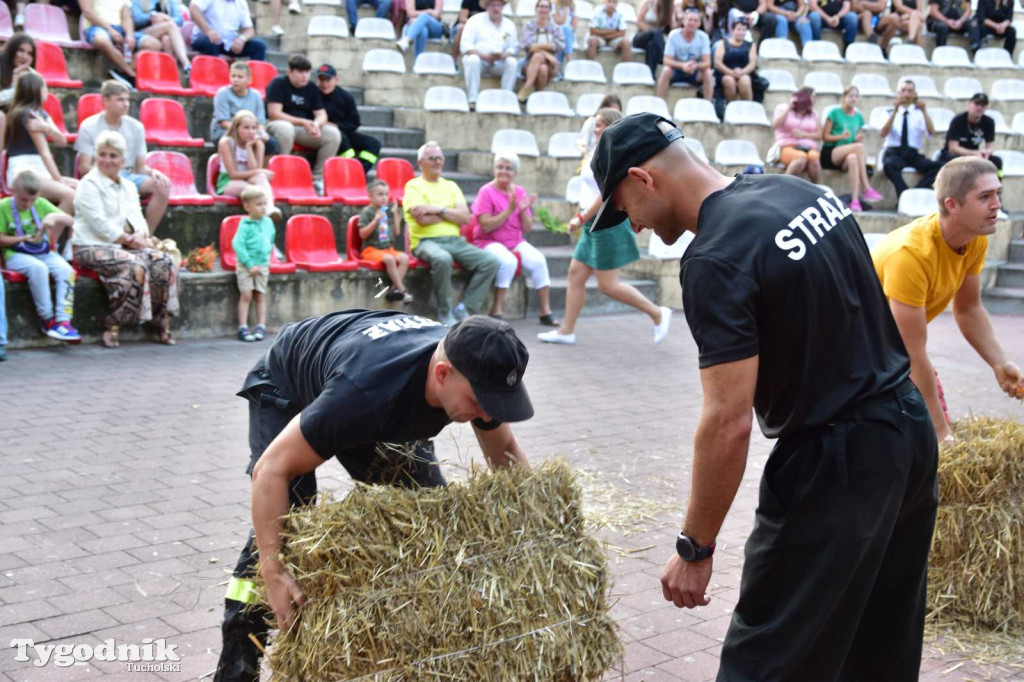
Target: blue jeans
{"x": 383, "y": 9}
{"x": 570, "y": 43}
{"x": 419, "y": 30}
{"x": 803, "y": 28}
{"x": 254, "y": 48}
{"x": 848, "y": 25}
{"x": 3, "y": 315}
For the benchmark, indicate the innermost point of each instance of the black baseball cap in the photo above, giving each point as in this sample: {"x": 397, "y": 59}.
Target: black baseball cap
{"x": 326, "y": 71}
{"x": 490, "y": 355}
{"x": 624, "y": 144}
{"x": 979, "y": 98}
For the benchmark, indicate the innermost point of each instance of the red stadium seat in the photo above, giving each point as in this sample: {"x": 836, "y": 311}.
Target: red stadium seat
{"x": 309, "y": 243}
{"x": 178, "y": 168}
{"x": 262, "y": 74}
{"x": 293, "y": 182}
{"x": 52, "y": 66}
{"x": 6, "y": 23}
{"x": 228, "y": 260}
{"x": 13, "y": 277}
{"x": 354, "y": 246}
{"x": 212, "y": 171}
{"x": 158, "y": 72}
{"x": 345, "y": 181}
{"x": 88, "y": 105}
{"x": 85, "y": 272}
{"x": 49, "y": 23}
{"x": 53, "y": 108}
{"x": 395, "y": 172}
{"x": 165, "y": 123}
{"x": 209, "y": 74}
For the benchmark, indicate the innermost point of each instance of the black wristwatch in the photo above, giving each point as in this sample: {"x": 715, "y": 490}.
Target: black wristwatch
{"x": 690, "y": 551}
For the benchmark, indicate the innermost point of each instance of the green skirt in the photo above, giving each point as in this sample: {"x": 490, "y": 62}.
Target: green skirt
{"x": 608, "y": 249}
{"x": 222, "y": 181}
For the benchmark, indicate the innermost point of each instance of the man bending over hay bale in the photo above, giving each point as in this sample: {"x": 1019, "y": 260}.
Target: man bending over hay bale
{"x": 938, "y": 258}
{"x": 340, "y": 386}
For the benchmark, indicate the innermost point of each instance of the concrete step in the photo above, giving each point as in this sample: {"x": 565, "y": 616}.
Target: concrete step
{"x": 1003, "y": 301}
{"x": 1017, "y": 251}
{"x": 469, "y": 184}
{"x": 558, "y": 259}
{"x": 1010, "y": 275}
{"x": 376, "y": 117}
{"x": 540, "y": 237}
{"x": 408, "y": 138}
{"x": 596, "y": 302}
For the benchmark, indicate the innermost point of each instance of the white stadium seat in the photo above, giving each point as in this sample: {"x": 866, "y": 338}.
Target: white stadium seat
{"x": 323, "y": 3}
{"x": 384, "y": 60}
{"x": 777, "y": 48}
{"x": 877, "y": 118}
{"x": 908, "y": 54}
{"x": 1013, "y": 162}
{"x": 737, "y": 153}
{"x": 779, "y": 80}
{"x": 585, "y": 11}
{"x": 632, "y": 73}
{"x": 585, "y": 71}
{"x": 940, "y": 117}
{"x": 588, "y": 103}
{"x": 434, "y": 63}
{"x": 951, "y": 56}
{"x": 374, "y": 28}
{"x": 925, "y": 85}
{"x": 824, "y": 82}
{"x": 526, "y": 8}
{"x": 563, "y": 146}
{"x": 548, "y": 103}
{"x": 696, "y": 146}
{"x": 497, "y": 101}
{"x": 641, "y": 104}
{"x": 993, "y": 58}
{"x": 1001, "y": 126}
{"x": 627, "y": 11}
{"x": 1018, "y": 122}
{"x": 572, "y": 189}
{"x": 740, "y": 112}
{"x": 821, "y": 51}
{"x": 1007, "y": 89}
{"x": 693, "y": 110}
{"x": 522, "y": 142}
{"x": 327, "y": 25}
{"x": 916, "y": 202}
{"x": 961, "y": 87}
{"x": 865, "y": 53}
{"x": 445, "y": 98}
{"x": 871, "y": 85}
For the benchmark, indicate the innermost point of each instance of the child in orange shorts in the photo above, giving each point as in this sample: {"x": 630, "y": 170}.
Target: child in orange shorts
{"x": 379, "y": 228}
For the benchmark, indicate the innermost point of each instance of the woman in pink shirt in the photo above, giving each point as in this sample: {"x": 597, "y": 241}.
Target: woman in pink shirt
{"x": 797, "y": 132}
{"x": 502, "y": 211}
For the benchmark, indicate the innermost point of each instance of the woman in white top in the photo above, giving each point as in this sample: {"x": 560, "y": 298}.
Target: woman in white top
{"x": 111, "y": 236}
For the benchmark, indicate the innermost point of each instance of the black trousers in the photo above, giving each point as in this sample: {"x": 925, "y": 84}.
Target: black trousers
{"x": 1009, "y": 37}
{"x": 898, "y": 158}
{"x": 946, "y": 158}
{"x": 970, "y": 29}
{"x": 834, "y": 578}
{"x": 653, "y": 44}
{"x": 269, "y": 413}
{"x": 364, "y": 148}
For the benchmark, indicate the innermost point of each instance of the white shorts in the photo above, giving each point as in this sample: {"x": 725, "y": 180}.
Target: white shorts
{"x": 22, "y": 162}
{"x": 613, "y": 43}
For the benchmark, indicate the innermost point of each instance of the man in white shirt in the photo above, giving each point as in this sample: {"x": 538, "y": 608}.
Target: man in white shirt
{"x": 489, "y": 44}
{"x": 224, "y": 27}
{"x": 904, "y": 135}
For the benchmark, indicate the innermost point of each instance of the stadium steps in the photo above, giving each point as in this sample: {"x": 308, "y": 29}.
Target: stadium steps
{"x": 1007, "y": 296}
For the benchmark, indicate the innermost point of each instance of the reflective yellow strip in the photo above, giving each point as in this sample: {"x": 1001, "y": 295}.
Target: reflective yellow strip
{"x": 368, "y": 157}
{"x": 242, "y": 591}
{"x": 348, "y": 154}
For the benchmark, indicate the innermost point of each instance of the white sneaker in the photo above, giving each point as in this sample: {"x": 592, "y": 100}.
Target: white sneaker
{"x": 277, "y": 31}
{"x": 554, "y": 336}
{"x": 294, "y": 7}
{"x": 661, "y": 330}
{"x": 403, "y": 43}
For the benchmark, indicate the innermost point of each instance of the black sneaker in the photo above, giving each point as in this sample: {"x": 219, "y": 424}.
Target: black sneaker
{"x": 122, "y": 78}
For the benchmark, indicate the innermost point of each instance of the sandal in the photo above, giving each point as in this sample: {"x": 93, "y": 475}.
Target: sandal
{"x": 549, "y": 320}
{"x": 109, "y": 338}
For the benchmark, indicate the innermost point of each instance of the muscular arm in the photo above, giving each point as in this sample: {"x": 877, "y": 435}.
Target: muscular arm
{"x": 913, "y": 326}
{"x": 500, "y": 447}
{"x": 976, "y": 327}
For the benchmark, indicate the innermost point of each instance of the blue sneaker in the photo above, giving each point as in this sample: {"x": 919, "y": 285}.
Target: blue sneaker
{"x": 61, "y": 331}
{"x": 460, "y": 312}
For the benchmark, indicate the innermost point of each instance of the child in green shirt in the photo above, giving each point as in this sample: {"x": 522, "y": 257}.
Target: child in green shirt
{"x": 253, "y": 244}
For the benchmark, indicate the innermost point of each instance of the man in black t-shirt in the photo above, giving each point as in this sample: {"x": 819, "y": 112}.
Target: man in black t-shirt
{"x": 344, "y": 385}
{"x": 972, "y": 133}
{"x": 343, "y": 112}
{"x": 945, "y": 16}
{"x": 296, "y": 113}
{"x": 781, "y": 296}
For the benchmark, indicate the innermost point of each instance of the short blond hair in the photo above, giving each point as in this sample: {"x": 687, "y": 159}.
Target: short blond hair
{"x": 958, "y": 177}
{"x": 28, "y": 181}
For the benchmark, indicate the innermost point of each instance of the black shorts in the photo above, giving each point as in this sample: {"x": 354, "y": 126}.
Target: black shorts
{"x": 826, "y": 158}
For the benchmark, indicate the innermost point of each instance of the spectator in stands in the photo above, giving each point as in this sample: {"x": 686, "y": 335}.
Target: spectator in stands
{"x": 797, "y": 131}
{"x": 242, "y": 159}
{"x": 953, "y": 16}
{"x": 608, "y": 29}
{"x": 343, "y": 112}
{"x": 869, "y": 13}
{"x": 904, "y": 134}
{"x": 787, "y": 14}
{"x": 504, "y": 218}
{"x": 906, "y": 18}
{"x": 588, "y": 140}
{"x": 296, "y": 111}
{"x": 293, "y": 8}
{"x": 110, "y": 28}
{"x": 383, "y": 8}
{"x": 843, "y": 147}
{"x": 253, "y": 244}
{"x": 706, "y": 11}
{"x": 26, "y": 222}
{"x": 654, "y": 21}
{"x": 688, "y": 58}
{"x": 565, "y": 20}
{"x": 468, "y": 9}
{"x": 231, "y": 99}
{"x": 380, "y": 228}
{"x": 112, "y": 237}
{"x": 972, "y": 133}
{"x": 735, "y": 60}
{"x": 162, "y": 19}
{"x": 542, "y": 41}
{"x": 754, "y": 11}
{"x": 423, "y": 22}
{"x": 995, "y": 18}
{"x": 148, "y": 182}
{"x": 435, "y": 210}
{"x": 224, "y": 27}
{"x": 604, "y": 253}
{"x": 835, "y": 14}
{"x": 25, "y": 139}
{"x": 489, "y": 44}
{"x": 18, "y": 57}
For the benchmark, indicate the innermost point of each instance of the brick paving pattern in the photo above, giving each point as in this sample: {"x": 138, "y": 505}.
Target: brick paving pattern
{"x": 124, "y": 503}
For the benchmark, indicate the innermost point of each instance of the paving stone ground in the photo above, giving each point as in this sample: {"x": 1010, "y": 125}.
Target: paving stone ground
{"x": 123, "y": 498}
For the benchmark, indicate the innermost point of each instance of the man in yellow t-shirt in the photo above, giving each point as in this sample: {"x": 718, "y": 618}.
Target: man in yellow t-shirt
{"x": 937, "y": 259}
{"x": 435, "y": 210}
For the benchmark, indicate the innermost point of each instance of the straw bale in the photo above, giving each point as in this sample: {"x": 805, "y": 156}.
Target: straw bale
{"x": 976, "y": 569}
{"x": 493, "y": 578}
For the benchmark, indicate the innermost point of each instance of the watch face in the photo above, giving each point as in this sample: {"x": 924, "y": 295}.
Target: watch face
{"x": 685, "y": 548}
